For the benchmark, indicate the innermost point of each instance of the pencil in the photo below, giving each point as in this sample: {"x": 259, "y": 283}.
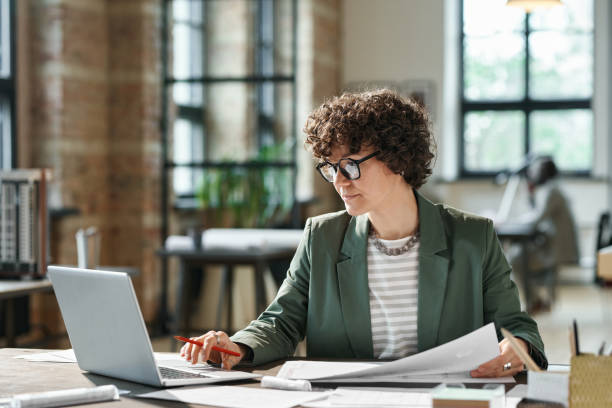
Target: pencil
{"x": 199, "y": 343}
{"x": 531, "y": 365}
{"x": 575, "y": 325}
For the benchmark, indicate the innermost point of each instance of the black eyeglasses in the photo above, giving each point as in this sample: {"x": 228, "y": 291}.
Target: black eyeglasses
{"x": 348, "y": 167}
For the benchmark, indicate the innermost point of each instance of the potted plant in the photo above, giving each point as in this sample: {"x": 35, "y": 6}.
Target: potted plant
{"x": 256, "y": 195}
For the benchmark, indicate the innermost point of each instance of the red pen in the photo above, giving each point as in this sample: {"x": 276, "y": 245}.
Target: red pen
{"x": 199, "y": 343}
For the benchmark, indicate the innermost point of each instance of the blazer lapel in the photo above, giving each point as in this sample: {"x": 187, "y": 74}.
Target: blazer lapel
{"x": 353, "y": 287}
{"x": 433, "y": 273}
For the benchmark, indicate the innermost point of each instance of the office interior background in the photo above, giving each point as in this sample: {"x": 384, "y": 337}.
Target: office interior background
{"x": 165, "y": 117}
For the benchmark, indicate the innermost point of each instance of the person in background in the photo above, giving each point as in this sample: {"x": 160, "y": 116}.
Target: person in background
{"x": 393, "y": 274}
{"x": 555, "y": 242}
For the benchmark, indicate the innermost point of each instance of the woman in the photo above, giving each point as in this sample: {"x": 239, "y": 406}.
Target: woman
{"x": 556, "y": 241}
{"x": 393, "y": 274}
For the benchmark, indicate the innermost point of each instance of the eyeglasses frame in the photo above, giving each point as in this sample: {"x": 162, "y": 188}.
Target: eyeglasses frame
{"x": 337, "y": 167}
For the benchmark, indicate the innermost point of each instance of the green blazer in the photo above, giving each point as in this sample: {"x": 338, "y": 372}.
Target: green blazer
{"x": 464, "y": 283}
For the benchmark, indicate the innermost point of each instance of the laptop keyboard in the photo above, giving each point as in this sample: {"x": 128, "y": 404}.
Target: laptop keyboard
{"x": 172, "y": 374}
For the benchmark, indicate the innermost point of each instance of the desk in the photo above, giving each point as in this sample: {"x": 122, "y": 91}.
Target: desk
{"x": 20, "y": 376}
{"x": 520, "y": 233}
{"x": 191, "y": 260}
{"x": 11, "y": 289}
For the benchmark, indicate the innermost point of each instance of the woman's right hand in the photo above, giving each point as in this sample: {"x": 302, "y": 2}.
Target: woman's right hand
{"x": 194, "y": 353}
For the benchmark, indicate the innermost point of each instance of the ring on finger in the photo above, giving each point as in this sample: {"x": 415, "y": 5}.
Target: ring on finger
{"x": 507, "y": 366}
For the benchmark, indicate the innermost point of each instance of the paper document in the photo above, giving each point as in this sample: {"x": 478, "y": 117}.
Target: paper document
{"x": 458, "y": 356}
{"x": 425, "y": 379}
{"x": 236, "y": 397}
{"x": 55, "y": 356}
{"x": 344, "y": 397}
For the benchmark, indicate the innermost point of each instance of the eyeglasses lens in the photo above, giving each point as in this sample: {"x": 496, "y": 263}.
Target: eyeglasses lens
{"x": 328, "y": 172}
{"x": 351, "y": 169}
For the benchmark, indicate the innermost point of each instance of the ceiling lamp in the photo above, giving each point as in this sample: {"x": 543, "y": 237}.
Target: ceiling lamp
{"x": 529, "y": 5}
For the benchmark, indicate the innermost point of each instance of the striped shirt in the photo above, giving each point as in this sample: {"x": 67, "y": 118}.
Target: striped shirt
{"x": 393, "y": 287}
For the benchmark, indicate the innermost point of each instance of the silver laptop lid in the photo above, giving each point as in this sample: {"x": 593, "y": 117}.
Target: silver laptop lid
{"x": 104, "y": 323}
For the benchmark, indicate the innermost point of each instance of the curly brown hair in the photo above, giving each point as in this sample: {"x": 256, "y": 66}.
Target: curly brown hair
{"x": 399, "y": 128}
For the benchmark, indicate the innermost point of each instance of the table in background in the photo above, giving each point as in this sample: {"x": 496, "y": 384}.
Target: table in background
{"x": 11, "y": 289}
{"x": 193, "y": 262}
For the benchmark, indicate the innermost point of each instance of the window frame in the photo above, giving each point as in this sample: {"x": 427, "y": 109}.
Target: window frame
{"x": 8, "y": 88}
{"x": 526, "y": 105}
{"x": 187, "y": 201}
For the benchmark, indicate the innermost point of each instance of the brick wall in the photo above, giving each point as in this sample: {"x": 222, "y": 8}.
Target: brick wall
{"x": 94, "y": 120}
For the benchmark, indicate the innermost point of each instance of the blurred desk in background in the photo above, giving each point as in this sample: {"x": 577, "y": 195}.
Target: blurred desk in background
{"x": 192, "y": 266}
{"x": 9, "y": 291}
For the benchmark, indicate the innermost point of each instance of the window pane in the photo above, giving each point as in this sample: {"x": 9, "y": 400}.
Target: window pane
{"x": 186, "y": 11}
{"x": 561, "y": 65}
{"x": 493, "y": 141}
{"x": 283, "y": 38}
{"x": 187, "y": 50}
{"x": 235, "y": 124}
{"x": 5, "y": 135}
{"x": 5, "y": 39}
{"x": 188, "y": 94}
{"x": 494, "y": 67}
{"x": 188, "y": 147}
{"x": 567, "y": 135}
{"x": 572, "y": 15}
{"x": 486, "y": 17}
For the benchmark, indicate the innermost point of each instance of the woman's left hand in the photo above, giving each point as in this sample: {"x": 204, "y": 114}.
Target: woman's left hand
{"x": 506, "y": 364}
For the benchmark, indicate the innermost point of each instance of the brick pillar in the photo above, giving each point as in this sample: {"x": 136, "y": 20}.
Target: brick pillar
{"x": 94, "y": 120}
{"x": 134, "y": 159}
{"x": 68, "y": 119}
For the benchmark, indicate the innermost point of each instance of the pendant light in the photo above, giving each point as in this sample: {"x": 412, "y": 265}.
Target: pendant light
{"x": 530, "y": 5}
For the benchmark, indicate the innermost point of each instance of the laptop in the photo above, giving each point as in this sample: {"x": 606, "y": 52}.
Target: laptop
{"x": 109, "y": 336}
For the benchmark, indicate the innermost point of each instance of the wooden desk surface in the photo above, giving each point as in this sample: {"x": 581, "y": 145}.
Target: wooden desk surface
{"x": 19, "y": 376}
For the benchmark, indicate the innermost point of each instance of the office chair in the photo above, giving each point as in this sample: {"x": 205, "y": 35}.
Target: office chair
{"x": 604, "y": 239}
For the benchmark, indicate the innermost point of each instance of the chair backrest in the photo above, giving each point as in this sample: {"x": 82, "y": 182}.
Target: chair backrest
{"x": 604, "y": 231}
{"x": 88, "y": 248}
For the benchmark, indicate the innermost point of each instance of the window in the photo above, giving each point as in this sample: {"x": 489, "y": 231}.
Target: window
{"x": 7, "y": 85}
{"x": 229, "y": 94}
{"x": 527, "y": 85}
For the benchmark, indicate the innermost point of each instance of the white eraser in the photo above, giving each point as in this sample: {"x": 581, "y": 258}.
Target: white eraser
{"x": 285, "y": 384}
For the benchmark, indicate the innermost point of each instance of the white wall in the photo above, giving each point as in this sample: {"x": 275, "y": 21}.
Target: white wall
{"x": 396, "y": 40}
